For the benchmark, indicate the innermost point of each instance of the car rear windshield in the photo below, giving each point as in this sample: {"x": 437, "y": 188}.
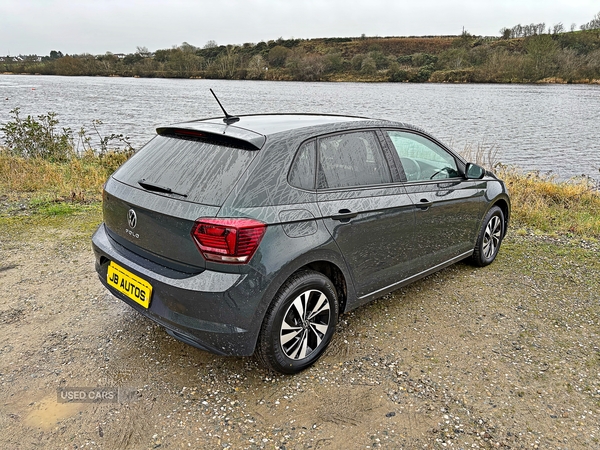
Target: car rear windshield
{"x": 194, "y": 170}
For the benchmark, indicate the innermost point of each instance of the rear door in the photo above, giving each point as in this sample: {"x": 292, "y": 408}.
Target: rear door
{"x": 367, "y": 212}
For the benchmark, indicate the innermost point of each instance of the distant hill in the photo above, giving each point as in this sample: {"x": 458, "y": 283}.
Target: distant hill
{"x": 520, "y": 55}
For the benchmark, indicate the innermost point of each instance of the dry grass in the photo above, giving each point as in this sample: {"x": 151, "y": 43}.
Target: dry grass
{"x": 483, "y": 154}
{"x": 79, "y": 178}
{"x": 542, "y": 203}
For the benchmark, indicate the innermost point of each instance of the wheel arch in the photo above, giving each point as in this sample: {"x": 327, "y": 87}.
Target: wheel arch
{"x": 325, "y": 261}
{"x": 335, "y": 274}
{"x": 504, "y": 206}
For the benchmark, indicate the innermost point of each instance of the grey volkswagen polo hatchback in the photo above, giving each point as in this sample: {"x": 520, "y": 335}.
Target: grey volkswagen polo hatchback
{"x": 255, "y": 233}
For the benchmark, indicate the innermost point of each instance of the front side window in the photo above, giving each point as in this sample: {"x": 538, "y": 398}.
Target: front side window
{"x": 422, "y": 159}
{"x": 351, "y": 159}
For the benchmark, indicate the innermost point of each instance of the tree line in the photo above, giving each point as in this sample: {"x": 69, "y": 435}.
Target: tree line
{"x": 521, "y": 54}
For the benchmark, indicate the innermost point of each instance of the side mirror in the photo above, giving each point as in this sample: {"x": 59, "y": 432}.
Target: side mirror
{"x": 474, "y": 172}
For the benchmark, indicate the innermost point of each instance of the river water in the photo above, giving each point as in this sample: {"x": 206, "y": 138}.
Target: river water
{"x": 547, "y": 128}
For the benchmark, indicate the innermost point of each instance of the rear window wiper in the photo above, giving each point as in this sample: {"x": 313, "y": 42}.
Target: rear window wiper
{"x": 158, "y": 188}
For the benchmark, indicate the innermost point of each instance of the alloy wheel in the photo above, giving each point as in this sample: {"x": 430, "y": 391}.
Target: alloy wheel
{"x": 304, "y": 324}
{"x": 492, "y": 237}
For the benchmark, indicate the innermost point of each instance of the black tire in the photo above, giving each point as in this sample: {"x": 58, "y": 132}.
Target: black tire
{"x": 295, "y": 346}
{"x": 490, "y": 237}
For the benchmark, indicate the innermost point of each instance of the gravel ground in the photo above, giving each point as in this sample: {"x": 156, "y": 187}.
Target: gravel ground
{"x": 504, "y": 356}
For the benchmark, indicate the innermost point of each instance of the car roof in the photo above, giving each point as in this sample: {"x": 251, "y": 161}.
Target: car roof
{"x": 267, "y": 124}
{"x": 255, "y": 128}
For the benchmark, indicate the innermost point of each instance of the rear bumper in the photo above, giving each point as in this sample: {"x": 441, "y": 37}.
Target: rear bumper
{"x": 213, "y": 311}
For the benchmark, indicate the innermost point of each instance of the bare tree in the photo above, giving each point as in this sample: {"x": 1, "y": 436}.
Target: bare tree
{"x": 541, "y": 27}
{"x": 143, "y": 52}
{"x": 516, "y": 31}
{"x": 558, "y": 28}
{"x": 188, "y": 48}
{"x": 227, "y": 63}
{"x": 593, "y": 24}
{"x": 257, "y": 67}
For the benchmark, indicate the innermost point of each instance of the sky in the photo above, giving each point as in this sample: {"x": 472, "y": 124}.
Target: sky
{"x": 120, "y": 26}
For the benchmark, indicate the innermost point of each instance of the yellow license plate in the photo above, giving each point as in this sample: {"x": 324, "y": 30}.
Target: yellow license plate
{"x": 129, "y": 284}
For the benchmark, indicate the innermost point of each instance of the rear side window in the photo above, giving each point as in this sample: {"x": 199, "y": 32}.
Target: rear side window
{"x": 351, "y": 159}
{"x": 204, "y": 171}
{"x": 302, "y": 173}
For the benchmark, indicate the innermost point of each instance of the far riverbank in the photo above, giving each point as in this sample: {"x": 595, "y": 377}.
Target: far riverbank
{"x": 527, "y": 54}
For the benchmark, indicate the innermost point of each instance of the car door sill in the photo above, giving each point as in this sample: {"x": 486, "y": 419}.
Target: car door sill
{"x": 415, "y": 277}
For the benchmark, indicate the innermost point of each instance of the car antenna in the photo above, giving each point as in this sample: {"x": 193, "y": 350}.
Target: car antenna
{"x": 229, "y": 119}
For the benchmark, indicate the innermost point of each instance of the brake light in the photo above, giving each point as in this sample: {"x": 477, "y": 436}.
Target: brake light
{"x": 232, "y": 241}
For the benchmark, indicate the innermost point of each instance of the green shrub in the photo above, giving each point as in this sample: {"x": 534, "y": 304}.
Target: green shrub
{"x": 422, "y": 74}
{"x": 398, "y": 75}
{"x": 42, "y": 138}
{"x": 37, "y": 138}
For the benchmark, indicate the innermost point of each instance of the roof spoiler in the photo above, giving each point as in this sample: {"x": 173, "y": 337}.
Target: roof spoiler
{"x": 235, "y": 137}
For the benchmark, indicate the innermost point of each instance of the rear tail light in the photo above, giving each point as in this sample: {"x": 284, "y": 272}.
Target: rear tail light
{"x": 232, "y": 241}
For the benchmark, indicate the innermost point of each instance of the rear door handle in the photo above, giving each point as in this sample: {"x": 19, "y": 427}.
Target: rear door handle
{"x": 344, "y": 215}
{"x": 424, "y": 204}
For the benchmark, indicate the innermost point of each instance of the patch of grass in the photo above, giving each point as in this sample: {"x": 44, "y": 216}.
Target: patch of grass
{"x": 58, "y": 209}
{"x": 45, "y": 197}
{"x": 53, "y": 208}
{"x": 77, "y": 221}
{"x": 78, "y": 178}
{"x": 542, "y": 203}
